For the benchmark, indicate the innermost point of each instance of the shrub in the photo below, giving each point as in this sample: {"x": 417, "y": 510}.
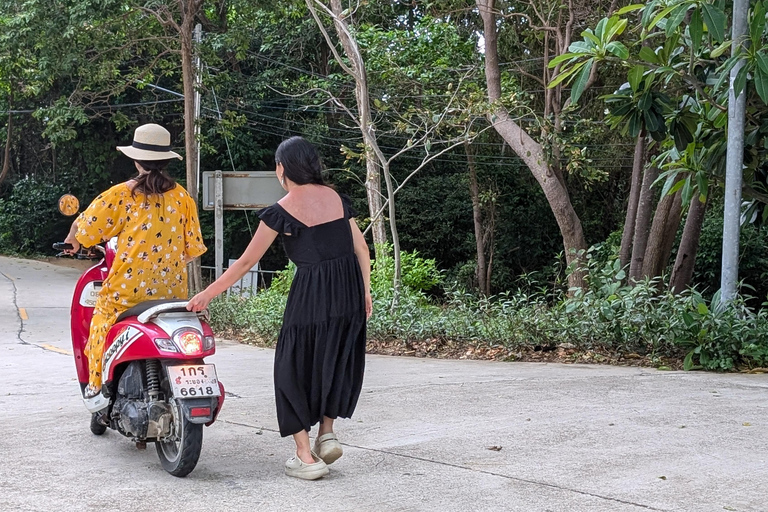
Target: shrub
{"x": 29, "y": 218}
{"x": 608, "y": 316}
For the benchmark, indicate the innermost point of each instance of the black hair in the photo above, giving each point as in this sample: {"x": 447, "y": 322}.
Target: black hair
{"x": 301, "y": 161}
{"x": 155, "y": 180}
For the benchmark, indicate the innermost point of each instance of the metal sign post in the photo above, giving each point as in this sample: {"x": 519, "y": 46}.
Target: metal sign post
{"x": 218, "y": 222}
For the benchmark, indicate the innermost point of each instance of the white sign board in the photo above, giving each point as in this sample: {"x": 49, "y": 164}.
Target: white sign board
{"x": 250, "y": 190}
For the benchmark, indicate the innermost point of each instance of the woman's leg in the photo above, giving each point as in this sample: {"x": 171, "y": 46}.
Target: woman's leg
{"x": 94, "y": 349}
{"x": 303, "y": 451}
{"x": 326, "y": 427}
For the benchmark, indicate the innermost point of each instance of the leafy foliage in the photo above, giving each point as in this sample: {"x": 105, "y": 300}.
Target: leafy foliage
{"x": 609, "y": 316}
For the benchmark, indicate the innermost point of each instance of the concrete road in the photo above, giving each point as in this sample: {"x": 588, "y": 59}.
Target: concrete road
{"x": 428, "y": 435}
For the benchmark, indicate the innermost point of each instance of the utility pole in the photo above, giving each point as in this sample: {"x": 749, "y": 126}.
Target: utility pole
{"x": 734, "y": 163}
{"x": 198, "y": 80}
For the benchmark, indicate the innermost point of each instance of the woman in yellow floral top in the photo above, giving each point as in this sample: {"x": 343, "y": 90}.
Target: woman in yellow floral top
{"x": 158, "y": 232}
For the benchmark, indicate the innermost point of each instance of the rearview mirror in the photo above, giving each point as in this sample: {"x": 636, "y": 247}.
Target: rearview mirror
{"x": 69, "y": 205}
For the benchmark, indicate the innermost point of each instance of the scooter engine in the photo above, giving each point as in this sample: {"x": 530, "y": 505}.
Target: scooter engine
{"x": 134, "y": 414}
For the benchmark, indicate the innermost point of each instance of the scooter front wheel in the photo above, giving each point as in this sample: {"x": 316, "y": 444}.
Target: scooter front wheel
{"x": 179, "y": 456}
{"x": 97, "y": 427}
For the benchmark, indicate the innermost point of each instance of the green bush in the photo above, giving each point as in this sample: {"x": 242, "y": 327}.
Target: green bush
{"x": 608, "y": 316}
{"x": 29, "y": 218}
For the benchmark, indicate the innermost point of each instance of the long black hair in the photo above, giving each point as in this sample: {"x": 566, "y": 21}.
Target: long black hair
{"x": 155, "y": 181}
{"x": 301, "y": 161}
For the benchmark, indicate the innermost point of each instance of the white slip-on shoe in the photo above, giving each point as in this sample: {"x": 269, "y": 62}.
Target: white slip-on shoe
{"x": 297, "y": 468}
{"x": 328, "y": 448}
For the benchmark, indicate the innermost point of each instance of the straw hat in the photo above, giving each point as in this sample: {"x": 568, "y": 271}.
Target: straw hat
{"x": 150, "y": 142}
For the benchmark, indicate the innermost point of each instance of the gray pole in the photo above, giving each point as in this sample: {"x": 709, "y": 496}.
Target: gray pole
{"x": 198, "y": 79}
{"x": 218, "y": 222}
{"x": 734, "y": 164}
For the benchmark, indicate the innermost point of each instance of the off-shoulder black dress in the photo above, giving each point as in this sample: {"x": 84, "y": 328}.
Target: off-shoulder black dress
{"x": 320, "y": 354}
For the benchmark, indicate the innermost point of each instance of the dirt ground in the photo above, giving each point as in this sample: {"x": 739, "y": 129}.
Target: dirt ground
{"x": 69, "y": 262}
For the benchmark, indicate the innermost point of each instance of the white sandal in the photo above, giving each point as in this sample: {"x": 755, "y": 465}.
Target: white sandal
{"x": 328, "y": 448}
{"x": 297, "y": 468}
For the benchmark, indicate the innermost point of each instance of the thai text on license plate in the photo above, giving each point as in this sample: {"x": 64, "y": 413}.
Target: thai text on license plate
{"x": 193, "y": 380}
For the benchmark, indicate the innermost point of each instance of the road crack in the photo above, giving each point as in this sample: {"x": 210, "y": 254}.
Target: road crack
{"x": 16, "y": 307}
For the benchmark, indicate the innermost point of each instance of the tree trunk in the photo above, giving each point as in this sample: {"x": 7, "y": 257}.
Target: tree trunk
{"x": 375, "y": 158}
{"x": 682, "y": 273}
{"x": 532, "y": 153}
{"x": 638, "y": 163}
{"x": 642, "y": 223}
{"x": 477, "y": 217}
{"x": 662, "y": 236}
{"x": 7, "y": 152}
{"x": 188, "y": 12}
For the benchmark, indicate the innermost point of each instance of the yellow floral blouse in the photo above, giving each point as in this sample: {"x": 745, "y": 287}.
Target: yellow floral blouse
{"x": 154, "y": 234}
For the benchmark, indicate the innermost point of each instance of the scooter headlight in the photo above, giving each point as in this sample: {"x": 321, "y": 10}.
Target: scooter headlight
{"x": 190, "y": 342}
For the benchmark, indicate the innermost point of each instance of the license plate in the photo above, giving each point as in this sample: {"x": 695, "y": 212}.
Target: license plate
{"x": 194, "y": 380}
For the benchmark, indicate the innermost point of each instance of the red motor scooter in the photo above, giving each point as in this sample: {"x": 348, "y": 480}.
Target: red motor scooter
{"x": 156, "y": 384}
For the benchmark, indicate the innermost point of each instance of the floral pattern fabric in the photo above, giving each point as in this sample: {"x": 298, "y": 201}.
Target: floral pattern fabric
{"x": 154, "y": 236}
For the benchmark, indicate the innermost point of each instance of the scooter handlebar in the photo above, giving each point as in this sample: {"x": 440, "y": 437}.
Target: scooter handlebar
{"x": 62, "y": 246}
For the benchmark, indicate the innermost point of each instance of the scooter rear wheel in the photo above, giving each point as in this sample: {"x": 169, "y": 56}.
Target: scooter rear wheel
{"x": 179, "y": 457}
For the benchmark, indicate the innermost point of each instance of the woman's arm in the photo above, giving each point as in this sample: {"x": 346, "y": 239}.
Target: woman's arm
{"x": 259, "y": 244}
{"x": 364, "y": 259}
{"x": 71, "y": 239}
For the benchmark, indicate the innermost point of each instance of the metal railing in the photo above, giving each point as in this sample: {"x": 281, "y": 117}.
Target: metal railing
{"x": 256, "y": 279}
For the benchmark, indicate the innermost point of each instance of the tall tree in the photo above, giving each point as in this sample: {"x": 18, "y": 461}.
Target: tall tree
{"x": 530, "y": 151}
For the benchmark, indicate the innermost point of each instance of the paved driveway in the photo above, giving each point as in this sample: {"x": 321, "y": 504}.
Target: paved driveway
{"x": 431, "y": 435}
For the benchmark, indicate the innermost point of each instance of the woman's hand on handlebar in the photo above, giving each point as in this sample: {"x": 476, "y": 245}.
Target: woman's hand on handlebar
{"x": 73, "y": 242}
{"x": 200, "y": 301}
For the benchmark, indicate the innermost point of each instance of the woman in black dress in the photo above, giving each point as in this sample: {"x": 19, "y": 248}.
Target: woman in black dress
{"x": 320, "y": 353}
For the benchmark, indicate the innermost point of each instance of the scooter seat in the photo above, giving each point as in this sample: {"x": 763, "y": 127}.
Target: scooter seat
{"x": 143, "y": 306}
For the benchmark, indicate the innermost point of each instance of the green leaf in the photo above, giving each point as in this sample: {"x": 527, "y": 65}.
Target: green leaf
{"x": 761, "y": 84}
{"x": 688, "y": 361}
{"x": 588, "y": 35}
{"x": 668, "y": 184}
{"x": 659, "y": 16}
{"x": 565, "y": 74}
{"x": 687, "y": 193}
{"x": 676, "y": 17}
{"x": 715, "y": 20}
{"x": 648, "y": 12}
{"x": 618, "y": 49}
{"x": 740, "y": 82}
{"x": 720, "y": 49}
{"x": 696, "y": 29}
{"x": 649, "y": 55}
{"x": 635, "y": 76}
{"x": 635, "y": 124}
{"x": 702, "y": 309}
{"x": 629, "y": 8}
{"x": 615, "y": 28}
{"x": 703, "y": 184}
{"x": 562, "y": 58}
{"x": 581, "y": 81}
{"x": 757, "y": 24}
{"x": 677, "y": 186}
{"x": 762, "y": 61}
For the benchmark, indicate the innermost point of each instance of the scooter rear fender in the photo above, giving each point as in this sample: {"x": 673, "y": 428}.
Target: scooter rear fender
{"x": 130, "y": 340}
